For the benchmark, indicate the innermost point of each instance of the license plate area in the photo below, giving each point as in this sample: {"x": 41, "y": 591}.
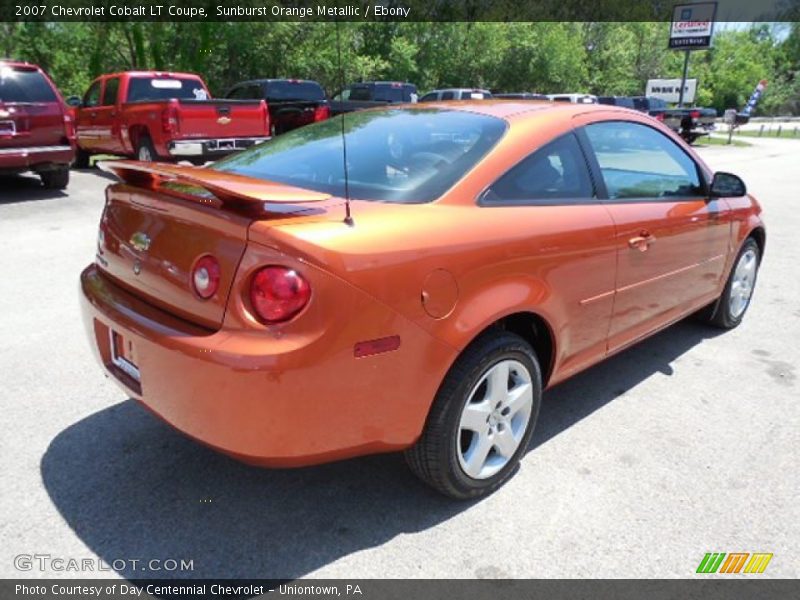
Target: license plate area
{"x": 123, "y": 356}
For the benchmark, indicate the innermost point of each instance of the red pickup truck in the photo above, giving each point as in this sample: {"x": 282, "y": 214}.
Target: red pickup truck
{"x": 36, "y": 129}
{"x": 164, "y": 116}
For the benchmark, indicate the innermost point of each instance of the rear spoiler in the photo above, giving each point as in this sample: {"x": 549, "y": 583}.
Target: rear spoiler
{"x": 222, "y": 189}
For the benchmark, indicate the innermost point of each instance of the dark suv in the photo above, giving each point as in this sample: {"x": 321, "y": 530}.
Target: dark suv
{"x": 37, "y": 132}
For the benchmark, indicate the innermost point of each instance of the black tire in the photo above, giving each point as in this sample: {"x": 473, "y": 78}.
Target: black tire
{"x": 57, "y": 179}
{"x": 721, "y": 313}
{"x": 81, "y": 159}
{"x": 145, "y": 150}
{"x": 435, "y": 456}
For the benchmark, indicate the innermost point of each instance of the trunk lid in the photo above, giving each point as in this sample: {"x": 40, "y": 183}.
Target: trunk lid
{"x": 162, "y": 219}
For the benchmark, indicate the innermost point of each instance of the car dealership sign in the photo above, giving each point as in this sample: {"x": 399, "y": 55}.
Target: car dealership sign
{"x": 669, "y": 90}
{"x": 692, "y": 26}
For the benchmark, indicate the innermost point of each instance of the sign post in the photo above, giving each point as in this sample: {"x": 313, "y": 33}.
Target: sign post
{"x": 692, "y": 28}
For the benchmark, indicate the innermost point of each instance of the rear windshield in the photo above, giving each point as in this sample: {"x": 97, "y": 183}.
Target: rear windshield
{"x": 398, "y": 155}
{"x": 24, "y": 85}
{"x": 141, "y": 89}
{"x": 295, "y": 90}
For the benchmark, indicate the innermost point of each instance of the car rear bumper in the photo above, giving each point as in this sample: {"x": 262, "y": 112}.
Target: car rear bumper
{"x": 266, "y": 399}
{"x": 35, "y": 157}
{"x": 211, "y": 147}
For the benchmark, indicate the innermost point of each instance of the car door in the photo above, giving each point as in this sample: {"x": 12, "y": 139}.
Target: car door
{"x": 86, "y": 115}
{"x": 569, "y": 246}
{"x": 671, "y": 238}
{"x": 106, "y": 124}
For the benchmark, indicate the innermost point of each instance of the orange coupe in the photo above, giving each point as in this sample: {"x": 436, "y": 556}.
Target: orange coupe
{"x": 494, "y": 249}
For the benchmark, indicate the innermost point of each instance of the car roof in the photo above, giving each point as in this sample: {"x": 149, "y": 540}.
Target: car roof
{"x": 10, "y": 62}
{"x": 149, "y": 73}
{"x": 509, "y": 109}
{"x": 274, "y": 79}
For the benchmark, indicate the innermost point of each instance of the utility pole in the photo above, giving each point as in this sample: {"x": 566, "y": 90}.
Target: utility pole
{"x": 683, "y": 79}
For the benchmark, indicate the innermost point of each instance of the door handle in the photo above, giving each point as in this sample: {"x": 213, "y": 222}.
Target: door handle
{"x": 642, "y": 241}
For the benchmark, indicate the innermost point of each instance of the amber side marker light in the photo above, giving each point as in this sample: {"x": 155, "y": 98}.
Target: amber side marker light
{"x": 379, "y": 346}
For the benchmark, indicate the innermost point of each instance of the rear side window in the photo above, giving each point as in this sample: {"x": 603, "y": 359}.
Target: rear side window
{"x": 428, "y": 97}
{"x": 24, "y": 85}
{"x": 557, "y": 172}
{"x": 92, "y": 96}
{"x": 448, "y": 95}
{"x": 111, "y": 92}
{"x": 309, "y": 91}
{"x": 246, "y": 92}
{"x": 360, "y": 94}
{"x": 142, "y": 89}
{"x": 637, "y": 161}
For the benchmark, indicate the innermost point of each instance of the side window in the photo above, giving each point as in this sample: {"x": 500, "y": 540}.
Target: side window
{"x": 431, "y": 97}
{"x": 639, "y": 162}
{"x": 92, "y": 96}
{"x": 557, "y": 171}
{"x": 448, "y": 95}
{"x": 111, "y": 91}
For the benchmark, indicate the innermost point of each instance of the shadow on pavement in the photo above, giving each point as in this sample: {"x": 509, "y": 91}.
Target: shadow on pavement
{"x": 25, "y": 188}
{"x": 131, "y": 487}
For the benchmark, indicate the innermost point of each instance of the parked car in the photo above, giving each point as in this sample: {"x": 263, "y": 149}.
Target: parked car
{"x": 475, "y": 271}
{"x": 292, "y": 103}
{"x": 521, "y": 96}
{"x": 622, "y": 101}
{"x": 573, "y": 98}
{"x": 456, "y": 94}
{"x": 371, "y": 94}
{"x": 155, "y": 115}
{"x": 36, "y": 129}
{"x": 689, "y": 123}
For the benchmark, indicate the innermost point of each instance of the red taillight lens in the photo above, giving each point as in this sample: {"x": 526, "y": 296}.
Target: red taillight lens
{"x": 660, "y": 117}
{"x": 169, "y": 118}
{"x": 69, "y": 126}
{"x": 695, "y": 114}
{"x": 267, "y": 121}
{"x": 322, "y": 112}
{"x": 205, "y": 276}
{"x": 277, "y": 294}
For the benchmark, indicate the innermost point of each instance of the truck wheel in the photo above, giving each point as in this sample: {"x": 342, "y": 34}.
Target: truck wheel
{"x": 81, "y": 159}
{"x": 482, "y": 419}
{"x": 57, "y": 179}
{"x": 144, "y": 150}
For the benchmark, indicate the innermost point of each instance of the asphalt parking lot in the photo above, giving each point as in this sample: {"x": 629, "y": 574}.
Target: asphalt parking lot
{"x": 686, "y": 444}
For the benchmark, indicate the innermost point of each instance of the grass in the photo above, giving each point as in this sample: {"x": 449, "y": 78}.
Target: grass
{"x": 787, "y": 133}
{"x": 707, "y": 140}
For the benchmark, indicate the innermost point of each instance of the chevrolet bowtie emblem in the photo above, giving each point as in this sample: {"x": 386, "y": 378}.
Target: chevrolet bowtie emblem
{"x": 224, "y": 120}
{"x": 140, "y": 241}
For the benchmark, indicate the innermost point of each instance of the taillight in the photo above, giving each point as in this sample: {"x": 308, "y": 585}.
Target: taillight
{"x": 322, "y": 112}
{"x": 660, "y": 117}
{"x": 69, "y": 126}
{"x": 695, "y": 114}
{"x": 278, "y": 293}
{"x": 169, "y": 118}
{"x": 205, "y": 276}
{"x": 267, "y": 123}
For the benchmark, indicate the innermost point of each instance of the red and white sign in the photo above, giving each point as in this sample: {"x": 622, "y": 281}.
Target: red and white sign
{"x": 692, "y": 26}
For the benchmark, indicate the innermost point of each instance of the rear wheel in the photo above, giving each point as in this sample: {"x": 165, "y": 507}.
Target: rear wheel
{"x": 81, "y": 159}
{"x": 482, "y": 418}
{"x": 144, "y": 149}
{"x": 57, "y": 179}
{"x": 735, "y": 299}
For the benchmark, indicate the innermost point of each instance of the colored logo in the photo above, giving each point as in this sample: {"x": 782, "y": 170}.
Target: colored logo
{"x": 735, "y": 562}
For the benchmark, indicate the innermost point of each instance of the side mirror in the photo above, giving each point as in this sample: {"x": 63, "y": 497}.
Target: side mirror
{"x": 73, "y": 101}
{"x": 727, "y": 185}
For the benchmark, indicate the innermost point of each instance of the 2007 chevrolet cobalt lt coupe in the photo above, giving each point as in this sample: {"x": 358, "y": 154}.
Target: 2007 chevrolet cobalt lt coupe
{"x": 495, "y": 249}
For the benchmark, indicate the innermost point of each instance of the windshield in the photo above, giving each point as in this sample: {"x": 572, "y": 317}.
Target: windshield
{"x": 295, "y": 90}
{"x": 24, "y": 85}
{"x": 393, "y": 155}
{"x": 165, "y": 88}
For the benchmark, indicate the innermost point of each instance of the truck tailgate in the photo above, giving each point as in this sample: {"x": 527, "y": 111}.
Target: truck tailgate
{"x": 222, "y": 119}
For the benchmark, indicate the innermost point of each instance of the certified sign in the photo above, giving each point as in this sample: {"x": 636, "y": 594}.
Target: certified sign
{"x": 692, "y": 26}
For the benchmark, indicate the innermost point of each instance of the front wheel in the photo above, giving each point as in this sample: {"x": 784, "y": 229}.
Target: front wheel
{"x": 735, "y": 299}
{"x": 482, "y": 418}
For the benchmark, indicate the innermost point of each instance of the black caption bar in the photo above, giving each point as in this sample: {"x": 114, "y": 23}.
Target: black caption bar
{"x": 382, "y": 10}
{"x": 394, "y": 589}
